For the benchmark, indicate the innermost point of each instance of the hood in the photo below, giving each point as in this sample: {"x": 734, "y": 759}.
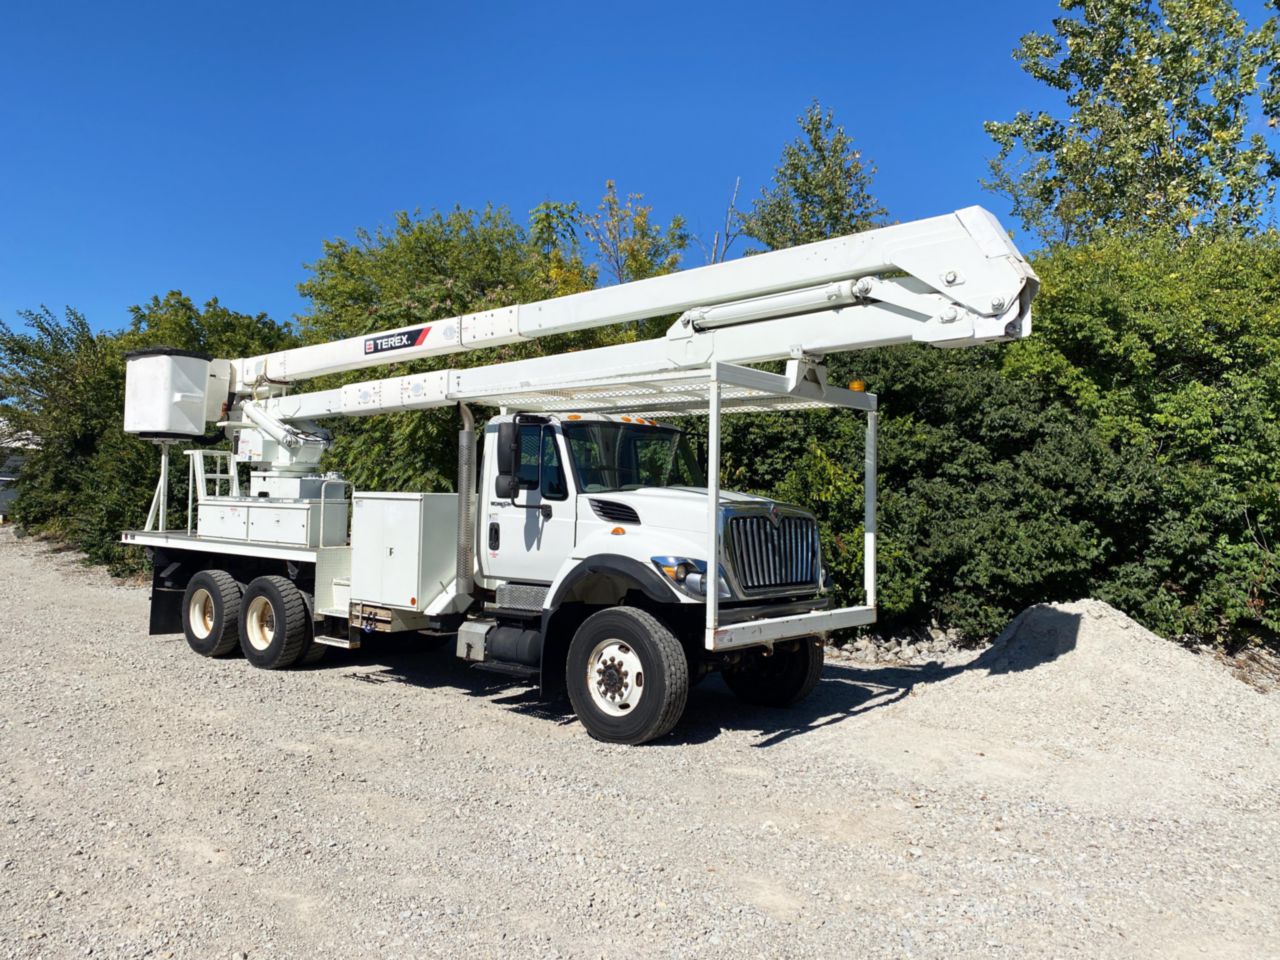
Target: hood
{"x": 677, "y": 508}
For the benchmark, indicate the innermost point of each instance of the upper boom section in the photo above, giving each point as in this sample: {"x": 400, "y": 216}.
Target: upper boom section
{"x": 958, "y": 267}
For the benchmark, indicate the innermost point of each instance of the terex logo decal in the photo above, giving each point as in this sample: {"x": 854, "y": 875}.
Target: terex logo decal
{"x": 396, "y": 341}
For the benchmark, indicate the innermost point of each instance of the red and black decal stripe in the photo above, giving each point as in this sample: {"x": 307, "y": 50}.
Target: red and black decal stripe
{"x": 414, "y": 337}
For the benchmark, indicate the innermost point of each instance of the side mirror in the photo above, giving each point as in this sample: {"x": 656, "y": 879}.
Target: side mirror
{"x": 508, "y": 449}
{"x": 506, "y": 486}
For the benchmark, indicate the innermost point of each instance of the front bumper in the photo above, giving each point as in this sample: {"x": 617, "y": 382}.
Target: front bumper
{"x": 779, "y": 623}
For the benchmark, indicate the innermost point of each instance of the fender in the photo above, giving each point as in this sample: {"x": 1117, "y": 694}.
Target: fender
{"x": 615, "y": 566}
{"x": 623, "y": 574}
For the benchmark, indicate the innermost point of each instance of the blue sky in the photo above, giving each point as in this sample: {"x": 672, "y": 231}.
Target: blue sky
{"x": 211, "y": 147}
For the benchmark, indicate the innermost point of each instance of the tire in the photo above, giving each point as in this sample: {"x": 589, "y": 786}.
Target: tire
{"x": 781, "y": 679}
{"x": 627, "y": 675}
{"x": 312, "y": 652}
{"x": 211, "y": 613}
{"x": 273, "y": 623}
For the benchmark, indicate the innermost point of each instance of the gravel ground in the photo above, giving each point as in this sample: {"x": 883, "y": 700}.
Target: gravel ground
{"x": 1080, "y": 789}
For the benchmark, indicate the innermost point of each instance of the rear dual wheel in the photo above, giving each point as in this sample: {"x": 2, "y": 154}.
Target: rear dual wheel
{"x": 268, "y": 620}
{"x": 273, "y": 623}
{"x": 211, "y": 613}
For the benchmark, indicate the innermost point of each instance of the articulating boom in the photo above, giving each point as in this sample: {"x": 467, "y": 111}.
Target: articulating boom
{"x": 954, "y": 280}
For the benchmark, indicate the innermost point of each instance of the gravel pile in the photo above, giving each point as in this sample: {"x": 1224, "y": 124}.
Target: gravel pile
{"x": 1112, "y": 714}
{"x": 1080, "y": 788}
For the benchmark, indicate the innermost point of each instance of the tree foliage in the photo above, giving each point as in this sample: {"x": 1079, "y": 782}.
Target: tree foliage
{"x": 991, "y": 496}
{"x": 424, "y": 268}
{"x": 1170, "y": 349}
{"x": 1159, "y": 128}
{"x": 630, "y": 244}
{"x": 821, "y": 188}
{"x": 1128, "y": 450}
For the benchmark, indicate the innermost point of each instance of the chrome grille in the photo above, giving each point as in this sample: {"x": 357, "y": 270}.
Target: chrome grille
{"x": 768, "y": 555}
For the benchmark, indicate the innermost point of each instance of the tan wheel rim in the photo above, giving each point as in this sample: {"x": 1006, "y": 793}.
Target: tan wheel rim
{"x": 200, "y": 614}
{"x": 260, "y": 623}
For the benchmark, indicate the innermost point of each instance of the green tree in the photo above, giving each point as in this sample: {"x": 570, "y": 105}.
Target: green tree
{"x": 1158, "y": 128}
{"x": 1169, "y": 349}
{"x": 821, "y": 188}
{"x": 424, "y": 268}
{"x": 58, "y": 383}
{"x": 174, "y": 321}
{"x": 993, "y": 494}
{"x": 630, "y": 244}
{"x": 1129, "y": 450}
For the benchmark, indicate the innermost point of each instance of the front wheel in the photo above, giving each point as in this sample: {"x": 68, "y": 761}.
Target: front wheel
{"x": 778, "y": 678}
{"x": 627, "y": 675}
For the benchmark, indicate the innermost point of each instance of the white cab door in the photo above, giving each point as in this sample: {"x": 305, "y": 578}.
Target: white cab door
{"x": 518, "y": 541}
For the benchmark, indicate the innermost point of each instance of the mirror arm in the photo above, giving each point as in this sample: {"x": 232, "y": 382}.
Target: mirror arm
{"x": 542, "y": 508}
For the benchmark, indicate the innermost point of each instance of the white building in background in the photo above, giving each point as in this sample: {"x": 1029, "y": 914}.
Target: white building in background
{"x": 13, "y": 454}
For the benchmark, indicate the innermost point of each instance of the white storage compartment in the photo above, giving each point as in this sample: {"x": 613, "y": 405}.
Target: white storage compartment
{"x": 173, "y": 393}
{"x": 293, "y": 523}
{"x": 403, "y": 548}
{"x": 280, "y": 523}
{"x": 223, "y": 520}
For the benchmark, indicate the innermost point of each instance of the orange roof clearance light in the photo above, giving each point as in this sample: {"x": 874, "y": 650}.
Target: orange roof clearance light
{"x": 574, "y": 416}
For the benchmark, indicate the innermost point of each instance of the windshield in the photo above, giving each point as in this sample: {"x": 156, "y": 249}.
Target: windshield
{"x": 625, "y": 456}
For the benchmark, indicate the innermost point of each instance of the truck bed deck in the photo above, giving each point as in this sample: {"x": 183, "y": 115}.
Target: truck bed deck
{"x": 181, "y": 540}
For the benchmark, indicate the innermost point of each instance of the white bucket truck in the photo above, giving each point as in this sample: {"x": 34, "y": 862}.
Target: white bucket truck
{"x": 589, "y": 548}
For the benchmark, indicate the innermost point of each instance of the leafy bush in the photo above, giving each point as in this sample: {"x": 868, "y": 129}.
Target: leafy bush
{"x": 992, "y": 497}
{"x": 1170, "y": 348}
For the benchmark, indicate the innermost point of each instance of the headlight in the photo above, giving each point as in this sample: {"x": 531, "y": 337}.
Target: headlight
{"x": 688, "y": 575}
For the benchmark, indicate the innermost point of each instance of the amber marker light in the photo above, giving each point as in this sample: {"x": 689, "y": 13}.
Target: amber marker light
{"x": 858, "y": 386}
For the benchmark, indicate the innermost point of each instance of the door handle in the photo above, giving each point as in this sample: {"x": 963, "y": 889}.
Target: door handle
{"x": 494, "y": 536}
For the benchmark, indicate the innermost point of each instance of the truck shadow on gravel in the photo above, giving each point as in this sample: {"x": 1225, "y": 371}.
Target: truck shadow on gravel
{"x": 848, "y": 690}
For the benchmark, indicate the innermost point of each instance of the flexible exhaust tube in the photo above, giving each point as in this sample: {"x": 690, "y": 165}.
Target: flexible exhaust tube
{"x": 466, "y": 502}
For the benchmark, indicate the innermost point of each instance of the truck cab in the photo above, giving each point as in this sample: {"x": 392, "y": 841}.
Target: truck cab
{"x": 590, "y": 514}
{"x": 632, "y": 489}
